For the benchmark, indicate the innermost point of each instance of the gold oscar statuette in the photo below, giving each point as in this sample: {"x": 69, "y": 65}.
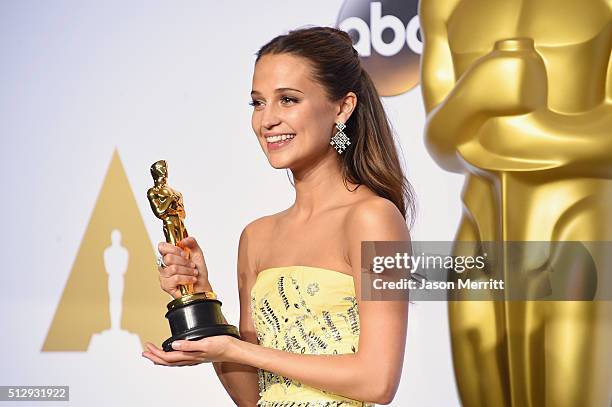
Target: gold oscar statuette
{"x": 518, "y": 97}
{"x": 192, "y": 316}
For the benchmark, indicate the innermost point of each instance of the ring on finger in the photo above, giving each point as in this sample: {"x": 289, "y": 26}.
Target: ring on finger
{"x": 160, "y": 262}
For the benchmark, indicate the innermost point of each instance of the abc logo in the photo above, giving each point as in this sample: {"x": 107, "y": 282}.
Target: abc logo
{"x": 386, "y": 36}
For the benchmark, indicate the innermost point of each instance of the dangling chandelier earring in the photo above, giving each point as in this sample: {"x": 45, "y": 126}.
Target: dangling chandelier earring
{"x": 340, "y": 140}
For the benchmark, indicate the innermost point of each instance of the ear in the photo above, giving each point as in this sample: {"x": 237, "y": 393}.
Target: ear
{"x": 346, "y": 107}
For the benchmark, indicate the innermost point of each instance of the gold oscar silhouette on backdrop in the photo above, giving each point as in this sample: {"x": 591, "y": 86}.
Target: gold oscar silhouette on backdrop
{"x": 192, "y": 316}
{"x": 519, "y": 99}
{"x": 85, "y": 308}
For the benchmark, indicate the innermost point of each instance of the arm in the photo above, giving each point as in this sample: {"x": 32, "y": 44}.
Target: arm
{"x": 577, "y": 145}
{"x": 159, "y": 205}
{"x": 241, "y": 381}
{"x": 437, "y": 70}
{"x": 508, "y": 81}
{"x": 373, "y": 372}
{"x": 437, "y": 77}
{"x": 588, "y": 135}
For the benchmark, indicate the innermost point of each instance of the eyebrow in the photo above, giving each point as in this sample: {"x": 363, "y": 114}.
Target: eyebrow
{"x": 279, "y": 90}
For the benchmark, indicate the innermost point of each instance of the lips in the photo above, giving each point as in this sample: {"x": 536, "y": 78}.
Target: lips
{"x": 278, "y": 141}
{"x": 279, "y": 137}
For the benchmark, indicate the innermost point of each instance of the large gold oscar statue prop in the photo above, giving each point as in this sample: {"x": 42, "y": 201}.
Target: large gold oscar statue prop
{"x": 193, "y": 315}
{"x": 519, "y": 99}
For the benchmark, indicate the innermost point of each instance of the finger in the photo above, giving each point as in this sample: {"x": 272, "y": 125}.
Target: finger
{"x": 171, "y": 284}
{"x": 165, "y": 248}
{"x": 149, "y": 345}
{"x": 176, "y": 280}
{"x": 191, "y": 244}
{"x": 154, "y": 358}
{"x": 170, "y": 259}
{"x": 173, "y": 357}
{"x": 187, "y": 346}
{"x": 177, "y": 270}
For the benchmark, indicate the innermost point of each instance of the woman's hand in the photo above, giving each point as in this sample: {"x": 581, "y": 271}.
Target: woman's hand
{"x": 183, "y": 267}
{"x": 187, "y": 353}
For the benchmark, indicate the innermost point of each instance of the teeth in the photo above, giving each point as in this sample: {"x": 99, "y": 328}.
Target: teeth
{"x": 281, "y": 137}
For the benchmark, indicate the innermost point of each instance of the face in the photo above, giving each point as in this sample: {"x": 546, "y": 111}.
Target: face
{"x": 160, "y": 174}
{"x": 289, "y": 104}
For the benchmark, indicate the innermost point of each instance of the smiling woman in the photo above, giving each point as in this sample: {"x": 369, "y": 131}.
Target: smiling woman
{"x": 307, "y": 337}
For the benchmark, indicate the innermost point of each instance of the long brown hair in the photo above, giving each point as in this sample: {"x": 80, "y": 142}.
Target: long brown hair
{"x": 372, "y": 158}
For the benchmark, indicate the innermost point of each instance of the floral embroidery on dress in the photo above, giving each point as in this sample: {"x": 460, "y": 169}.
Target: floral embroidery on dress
{"x": 313, "y": 288}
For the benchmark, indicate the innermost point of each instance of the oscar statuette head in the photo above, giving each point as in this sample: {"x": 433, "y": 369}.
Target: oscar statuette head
{"x": 159, "y": 172}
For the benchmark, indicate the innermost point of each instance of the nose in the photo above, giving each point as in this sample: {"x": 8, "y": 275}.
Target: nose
{"x": 270, "y": 117}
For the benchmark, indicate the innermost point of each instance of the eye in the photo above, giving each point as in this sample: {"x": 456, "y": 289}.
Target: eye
{"x": 287, "y": 100}
{"x": 255, "y": 103}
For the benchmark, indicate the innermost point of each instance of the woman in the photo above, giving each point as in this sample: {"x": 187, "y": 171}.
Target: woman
{"x": 307, "y": 339}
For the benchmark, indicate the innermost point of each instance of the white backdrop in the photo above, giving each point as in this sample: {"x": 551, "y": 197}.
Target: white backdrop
{"x": 162, "y": 80}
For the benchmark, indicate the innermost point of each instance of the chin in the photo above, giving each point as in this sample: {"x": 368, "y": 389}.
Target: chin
{"x": 278, "y": 164}
{"x": 280, "y": 161}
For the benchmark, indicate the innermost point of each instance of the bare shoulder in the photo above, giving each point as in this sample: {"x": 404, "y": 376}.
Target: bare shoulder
{"x": 375, "y": 218}
{"x": 253, "y": 237}
{"x": 257, "y": 229}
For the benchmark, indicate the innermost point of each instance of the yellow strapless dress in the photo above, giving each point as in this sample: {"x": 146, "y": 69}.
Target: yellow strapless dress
{"x": 303, "y": 309}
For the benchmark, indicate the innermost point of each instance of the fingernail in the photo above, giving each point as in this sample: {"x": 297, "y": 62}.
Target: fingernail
{"x": 176, "y": 345}
{"x": 193, "y": 279}
{"x": 195, "y": 272}
{"x": 192, "y": 264}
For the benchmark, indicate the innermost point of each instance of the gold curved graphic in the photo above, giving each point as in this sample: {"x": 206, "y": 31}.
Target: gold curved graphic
{"x": 518, "y": 96}
{"x": 83, "y": 309}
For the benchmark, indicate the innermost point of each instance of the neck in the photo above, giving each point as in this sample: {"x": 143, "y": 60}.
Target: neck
{"x": 319, "y": 187}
